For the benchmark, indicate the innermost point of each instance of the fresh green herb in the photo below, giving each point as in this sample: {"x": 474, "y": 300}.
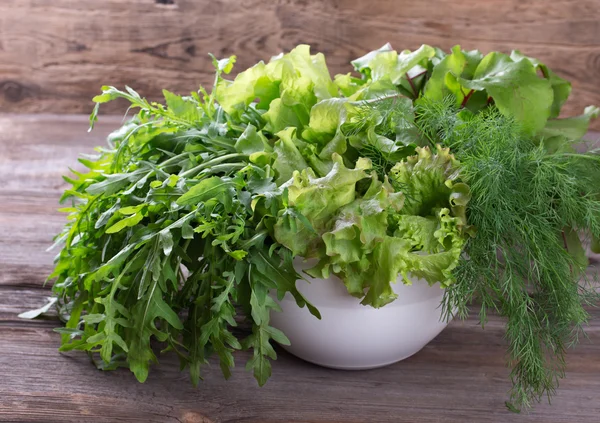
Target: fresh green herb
{"x": 529, "y": 206}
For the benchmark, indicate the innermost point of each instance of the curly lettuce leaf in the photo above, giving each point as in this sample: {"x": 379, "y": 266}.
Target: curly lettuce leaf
{"x": 235, "y": 96}
{"x": 348, "y": 84}
{"x": 315, "y": 200}
{"x": 441, "y": 237}
{"x": 288, "y": 86}
{"x": 325, "y": 120}
{"x": 289, "y": 159}
{"x": 431, "y": 182}
{"x": 368, "y": 260}
{"x": 385, "y": 234}
{"x": 386, "y": 63}
{"x": 360, "y": 225}
{"x": 358, "y": 248}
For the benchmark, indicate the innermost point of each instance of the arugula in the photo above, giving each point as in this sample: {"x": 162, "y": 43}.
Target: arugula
{"x": 162, "y": 241}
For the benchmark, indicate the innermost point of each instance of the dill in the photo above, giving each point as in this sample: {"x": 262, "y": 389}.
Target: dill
{"x": 526, "y": 261}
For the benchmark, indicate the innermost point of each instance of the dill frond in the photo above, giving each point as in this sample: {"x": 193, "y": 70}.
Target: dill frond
{"x": 525, "y": 263}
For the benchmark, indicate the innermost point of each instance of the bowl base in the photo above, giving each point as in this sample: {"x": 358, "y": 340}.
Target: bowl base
{"x": 352, "y": 368}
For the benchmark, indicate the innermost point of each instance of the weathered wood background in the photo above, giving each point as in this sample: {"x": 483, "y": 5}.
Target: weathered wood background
{"x": 55, "y": 54}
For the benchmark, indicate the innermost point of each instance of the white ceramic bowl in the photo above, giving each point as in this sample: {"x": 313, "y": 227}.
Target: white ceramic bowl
{"x": 352, "y": 336}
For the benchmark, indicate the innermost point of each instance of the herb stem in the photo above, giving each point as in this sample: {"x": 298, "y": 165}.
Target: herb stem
{"x": 212, "y": 162}
{"x": 466, "y": 99}
{"x": 408, "y": 78}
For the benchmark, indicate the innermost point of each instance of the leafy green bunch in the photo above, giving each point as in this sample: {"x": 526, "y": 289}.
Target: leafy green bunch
{"x": 163, "y": 242}
{"x": 530, "y": 205}
{"x": 452, "y": 168}
{"x": 191, "y": 217}
{"x": 533, "y": 196}
{"x": 345, "y": 175}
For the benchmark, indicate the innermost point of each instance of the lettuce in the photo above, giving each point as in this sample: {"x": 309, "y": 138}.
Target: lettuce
{"x": 312, "y": 203}
{"x": 368, "y": 238}
{"x": 287, "y": 87}
{"x": 431, "y": 181}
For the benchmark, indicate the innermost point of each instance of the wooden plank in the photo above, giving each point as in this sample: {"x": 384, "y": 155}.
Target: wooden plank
{"x": 34, "y": 152}
{"x": 17, "y": 299}
{"x": 458, "y": 377}
{"x": 54, "y": 56}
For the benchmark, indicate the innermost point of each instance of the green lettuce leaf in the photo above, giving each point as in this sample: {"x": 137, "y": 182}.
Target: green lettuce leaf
{"x": 441, "y": 237}
{"x": 366, "y": 258}
{"x": 315, "y": 200}
{"x": 560, "y": 87}
{"x": 248, "y": 85}
{"x": 289, "y": 159}
{"x": 361, "y": 224}
{"x": 288, "y": 86}
{"x": 516, "y": 88}
{"x": 348, "y": 84}
{"x": 431, "y": 182}
{"x": 362, "y": 63}
{"x": 314, "y": 68}
{"x": 386, "y": 63}
{"x": 385, "y": 234}
{"x": 325, "y": 120}
{"x": 443, "y": 80}
{"x": 573, "y": 128}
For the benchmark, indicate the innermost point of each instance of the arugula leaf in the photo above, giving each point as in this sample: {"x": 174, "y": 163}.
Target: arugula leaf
{"x": 125, "y": 223}
{"x": 207, "y": 189}
{"x": 32, "y": 314}
{"x": 144, "y": 314}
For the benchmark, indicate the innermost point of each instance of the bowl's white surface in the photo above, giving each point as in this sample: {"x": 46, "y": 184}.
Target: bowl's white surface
{"x": 352, "y": 336}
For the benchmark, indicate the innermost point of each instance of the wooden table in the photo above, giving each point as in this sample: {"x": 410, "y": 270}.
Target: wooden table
{"x": 459, "y": 377}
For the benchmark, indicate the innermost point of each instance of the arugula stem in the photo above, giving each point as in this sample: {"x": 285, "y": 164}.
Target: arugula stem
{"x": 123, "y": 144}
{"x": 212, "y": 162}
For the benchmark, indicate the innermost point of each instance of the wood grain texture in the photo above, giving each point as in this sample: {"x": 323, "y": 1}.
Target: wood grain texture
{"x": 459, "y": 377}
{"x": 54, "y": 56}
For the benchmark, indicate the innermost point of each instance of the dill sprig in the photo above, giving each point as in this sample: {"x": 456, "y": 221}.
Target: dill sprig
{"x": 526, "y": 261}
